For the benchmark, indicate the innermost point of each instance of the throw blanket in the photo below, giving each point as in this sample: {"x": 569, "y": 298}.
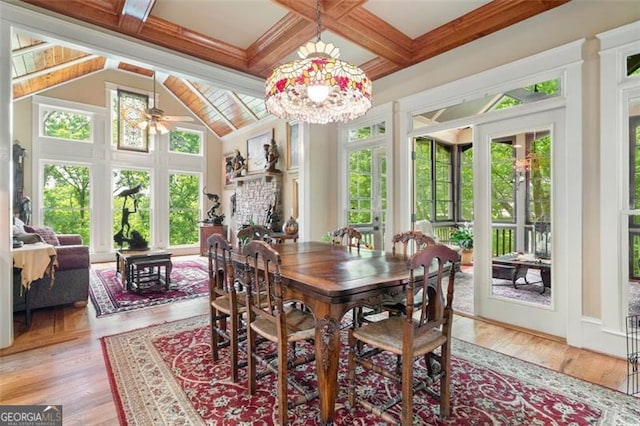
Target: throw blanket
{"x": 35, "y": 260}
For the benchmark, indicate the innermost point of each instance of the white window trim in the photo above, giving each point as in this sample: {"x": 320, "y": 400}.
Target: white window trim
{"x": 615, "y": 91}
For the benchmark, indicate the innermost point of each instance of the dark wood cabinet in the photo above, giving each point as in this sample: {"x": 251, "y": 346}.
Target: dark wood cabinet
{"x": 206, "y": 231}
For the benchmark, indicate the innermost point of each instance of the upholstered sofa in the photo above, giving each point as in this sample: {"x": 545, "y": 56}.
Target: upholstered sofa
{"x": 71, "y": 279}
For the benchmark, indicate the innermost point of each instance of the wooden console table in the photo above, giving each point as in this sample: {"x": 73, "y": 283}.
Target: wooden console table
{"x": 205, "y": 233}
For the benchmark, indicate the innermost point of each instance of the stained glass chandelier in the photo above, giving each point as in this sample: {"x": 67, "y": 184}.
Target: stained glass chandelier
{"x": 318, "y": 88}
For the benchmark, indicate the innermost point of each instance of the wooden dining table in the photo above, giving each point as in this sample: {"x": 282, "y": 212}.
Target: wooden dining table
{"x": 331, "y": 280}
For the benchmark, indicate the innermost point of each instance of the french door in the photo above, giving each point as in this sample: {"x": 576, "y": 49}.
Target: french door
{"x": 519, "y": 183}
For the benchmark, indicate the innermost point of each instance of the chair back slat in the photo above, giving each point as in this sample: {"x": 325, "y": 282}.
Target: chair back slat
{"x": 433, "y": 311}
{"x": 221, "y": 273}
{"x": 414, "y": 240}
{"x": 263, "y": 281}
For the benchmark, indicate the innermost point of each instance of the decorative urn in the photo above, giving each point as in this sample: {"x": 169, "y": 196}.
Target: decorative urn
{"x": 291, "y": 226}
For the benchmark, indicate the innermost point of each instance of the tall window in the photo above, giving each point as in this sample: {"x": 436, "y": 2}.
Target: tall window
{"x": 433, "y": 180}
{"x": 66, "y": 199}
{"x": 184, "y": 208}
{"x": 360, "y": 187}
{"x": 131, "y": 213}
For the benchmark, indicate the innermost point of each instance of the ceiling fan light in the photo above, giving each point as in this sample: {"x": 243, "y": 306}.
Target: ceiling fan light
{"x": 143, "y": 124}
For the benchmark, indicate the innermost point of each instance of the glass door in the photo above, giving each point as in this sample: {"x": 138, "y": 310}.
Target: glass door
{"x": 515, "y": 260}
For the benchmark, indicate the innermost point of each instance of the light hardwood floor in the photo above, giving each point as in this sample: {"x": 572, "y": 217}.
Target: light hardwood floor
{"x": 68, "y": 366}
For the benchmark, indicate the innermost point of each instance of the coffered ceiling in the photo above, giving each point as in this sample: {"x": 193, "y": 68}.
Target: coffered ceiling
{"x": 254, "y": 36}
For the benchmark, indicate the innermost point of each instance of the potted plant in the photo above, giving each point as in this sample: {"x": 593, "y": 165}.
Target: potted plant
{"x": 463, "y": 237}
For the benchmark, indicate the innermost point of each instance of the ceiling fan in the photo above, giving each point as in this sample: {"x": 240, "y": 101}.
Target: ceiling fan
{"x": 155, "y": 119}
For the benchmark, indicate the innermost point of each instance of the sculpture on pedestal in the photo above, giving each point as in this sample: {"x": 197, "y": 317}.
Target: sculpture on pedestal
{"x": 135, "y": 240}
{"x": 212, "y": 216}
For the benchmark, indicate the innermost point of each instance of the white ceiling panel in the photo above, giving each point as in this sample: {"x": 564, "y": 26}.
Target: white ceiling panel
{"x": 416, "y": 17}
{"x": 237, "y": 22}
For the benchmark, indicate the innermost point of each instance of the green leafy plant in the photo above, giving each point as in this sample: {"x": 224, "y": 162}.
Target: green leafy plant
{"x": 463, "y": 236}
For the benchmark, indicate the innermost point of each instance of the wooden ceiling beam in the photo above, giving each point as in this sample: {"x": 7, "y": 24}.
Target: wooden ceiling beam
{"x": 359, "y": 26}
{"x": 379, "y": 67}
{"x": 478, "y": 23}
{"x": 83, "y": 10}
{"x": 30, "y": 49}
{"x": 54, "y": 68}
{"x": 175, "y": 37}
{"x": 278, "y": 42}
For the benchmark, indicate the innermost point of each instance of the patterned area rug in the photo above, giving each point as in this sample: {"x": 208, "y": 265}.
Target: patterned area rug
{"x": 164, "y": 375}
{"x": 463, "y": 299}
{"x": 463, "y": 296}
{"x": 189, "y": 279}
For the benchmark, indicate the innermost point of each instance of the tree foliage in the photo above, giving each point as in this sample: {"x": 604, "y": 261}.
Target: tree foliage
{"x": 66, "y": 199}
{"x": 184, "y": 208}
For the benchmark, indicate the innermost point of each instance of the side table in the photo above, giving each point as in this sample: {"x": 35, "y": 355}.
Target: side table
{"x": 142, "y": 270}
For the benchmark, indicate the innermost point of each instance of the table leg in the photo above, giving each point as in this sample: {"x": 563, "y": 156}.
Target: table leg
{"x": 327, "y": 359}
{"x": 545, "y": 274}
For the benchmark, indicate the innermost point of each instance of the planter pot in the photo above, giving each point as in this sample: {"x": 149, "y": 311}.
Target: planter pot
{"x": 466, "y": 256}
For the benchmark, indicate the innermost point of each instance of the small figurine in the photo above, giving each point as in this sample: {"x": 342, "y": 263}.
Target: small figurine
{"x": 238, "y": 164}
{"x": 272, "y": 155}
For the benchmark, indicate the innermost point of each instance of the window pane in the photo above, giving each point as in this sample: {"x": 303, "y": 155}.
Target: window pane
{"x": 422, "y": 177}
{"x": 518, "y": 96}
{"x": 67, "y": 125}
{"x": 540, "y": 179}
{"x": 184, "y": 208}
{"x": 466, "y": 184}
{"x": 131, "y": 213}
{"x": 633, "y": 65}
{"x": 131, "y": 107}
{"x": 502, "y": 182}
{"x": 360, "y": 187}
{"x": 66, "y": 199}
{"x": 185, "y": 141}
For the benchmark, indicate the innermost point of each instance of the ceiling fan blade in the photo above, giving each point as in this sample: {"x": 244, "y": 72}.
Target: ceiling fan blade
{"x": 176, "y": 118}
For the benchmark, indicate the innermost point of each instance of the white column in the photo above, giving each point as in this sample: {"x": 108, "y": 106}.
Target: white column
{"x": 6, "y": 198}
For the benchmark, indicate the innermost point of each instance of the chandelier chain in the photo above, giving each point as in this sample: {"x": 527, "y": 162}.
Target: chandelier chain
{"x": 318, "y": 18}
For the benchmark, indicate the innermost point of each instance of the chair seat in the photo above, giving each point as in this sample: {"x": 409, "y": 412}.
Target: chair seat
{"x": 300, "y": 326}
{"x": 223, "y": 303}
{"x": 387, "y": 335}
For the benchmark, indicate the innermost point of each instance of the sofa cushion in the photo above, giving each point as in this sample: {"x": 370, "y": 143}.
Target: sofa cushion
{"x": 18, "y": 226}
{"x": 47, "y": 233}
{"x": 27, "y": 238}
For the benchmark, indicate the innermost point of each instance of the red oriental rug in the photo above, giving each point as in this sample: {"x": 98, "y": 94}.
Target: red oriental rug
{"x": 189, "y": 279}
{"x": 164, "y": 375}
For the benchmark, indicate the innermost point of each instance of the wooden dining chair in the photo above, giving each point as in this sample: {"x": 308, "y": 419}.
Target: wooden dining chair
{"x": 347, "y": 236}
{"x": 414, "y": 334}
{"x": 253, "y": 232}
{"x": 404, "y": 244}
{"x": 225, "y": 302}
{"x": 273, "y": 321}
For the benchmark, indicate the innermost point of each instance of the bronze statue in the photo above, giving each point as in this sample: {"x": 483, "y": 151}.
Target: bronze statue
{"x": 212, "y": 216}
{"x": 136, "y": 241}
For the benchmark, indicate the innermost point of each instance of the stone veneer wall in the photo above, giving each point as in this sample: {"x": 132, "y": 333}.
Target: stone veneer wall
{"x": 254, "y": 195}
